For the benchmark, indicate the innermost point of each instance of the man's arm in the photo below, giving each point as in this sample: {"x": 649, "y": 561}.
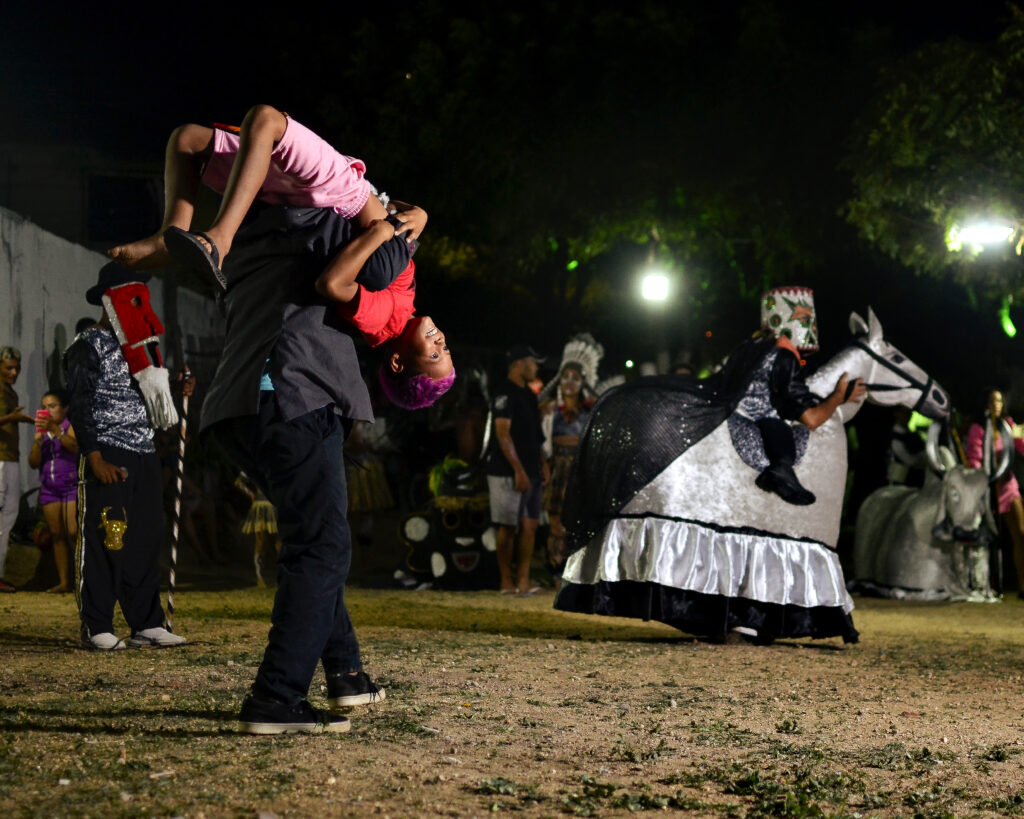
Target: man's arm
{"x": 16, "y": 416}
{"x": 391, "y": 258}
{"x": 82, "y": 365}
{"x": 373, "y": 259}
{"x": 338, "y": 281}
{"x": 503, "y": 432}
{"x": 413, "y": 219}
{"x": 816, "y": 416}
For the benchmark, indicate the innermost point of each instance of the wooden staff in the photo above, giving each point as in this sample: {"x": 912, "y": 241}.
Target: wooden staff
{"x": 176, "y": 527}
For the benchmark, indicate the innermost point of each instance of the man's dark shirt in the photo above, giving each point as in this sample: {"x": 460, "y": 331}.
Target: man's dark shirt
{"x": 519, "y": 405}
{"x": 273, "y": 312}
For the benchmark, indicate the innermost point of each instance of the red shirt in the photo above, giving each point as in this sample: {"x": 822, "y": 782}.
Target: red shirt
{"x": 382, "y": 314}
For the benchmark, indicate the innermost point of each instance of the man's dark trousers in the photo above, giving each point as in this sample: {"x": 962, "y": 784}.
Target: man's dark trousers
{"x": 126, "y": 571}
{"x": 298, "y": 464}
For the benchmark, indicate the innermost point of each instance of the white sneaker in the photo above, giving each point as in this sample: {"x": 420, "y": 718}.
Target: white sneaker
{"x": 105, "y": 641}
{"x": 159, "y": 637}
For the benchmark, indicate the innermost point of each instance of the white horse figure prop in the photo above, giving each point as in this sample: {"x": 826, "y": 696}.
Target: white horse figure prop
{"x": 700, "y": 547}
{"x": 932, "y": 543}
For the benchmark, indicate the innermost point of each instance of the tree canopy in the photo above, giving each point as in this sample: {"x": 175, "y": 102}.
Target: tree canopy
{"x": 940, "y": 148}
{"x": 558, "y": 152}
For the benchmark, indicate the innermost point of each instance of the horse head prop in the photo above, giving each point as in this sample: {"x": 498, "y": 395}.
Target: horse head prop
{"x": 890, "y": 377}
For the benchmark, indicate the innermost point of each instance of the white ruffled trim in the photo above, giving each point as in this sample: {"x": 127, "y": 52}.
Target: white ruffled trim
{"x": 696, "y": 558}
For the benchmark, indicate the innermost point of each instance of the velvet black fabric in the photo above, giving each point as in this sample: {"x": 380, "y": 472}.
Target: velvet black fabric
{"x": 705, "y": 615}
{"x": 638, "y": 429}
{"x": 635, "y": 432}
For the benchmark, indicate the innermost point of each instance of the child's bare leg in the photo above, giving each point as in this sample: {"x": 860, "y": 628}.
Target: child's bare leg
{"x": 188, "y": 147}
{"x": 61, "y": 556}
{"x": 262, "y": 128}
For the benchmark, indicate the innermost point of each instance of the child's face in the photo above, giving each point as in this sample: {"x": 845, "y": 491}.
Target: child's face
{"x": 50, "y": 403}
{"x": 422, "y": 347}
{"x": 9, "y": 369}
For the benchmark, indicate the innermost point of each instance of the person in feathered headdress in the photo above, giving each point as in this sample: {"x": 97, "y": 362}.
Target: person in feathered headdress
{"x": 565, "y": 403}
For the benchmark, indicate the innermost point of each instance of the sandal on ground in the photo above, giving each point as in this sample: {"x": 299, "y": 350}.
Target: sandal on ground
{"x": 530, "y": 592}
{"x": 509, "y": 591}
{"x": 186, "y": 247}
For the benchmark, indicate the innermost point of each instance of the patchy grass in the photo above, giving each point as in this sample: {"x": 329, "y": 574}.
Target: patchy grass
{"x": 498, "y": 704}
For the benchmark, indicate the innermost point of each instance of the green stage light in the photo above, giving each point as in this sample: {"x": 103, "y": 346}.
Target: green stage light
{"x": 1004, "y": 318}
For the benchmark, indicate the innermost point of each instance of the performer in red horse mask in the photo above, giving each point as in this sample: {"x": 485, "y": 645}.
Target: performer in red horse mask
{"x": 119, "y": 391}
{"x": 125, "y": 300}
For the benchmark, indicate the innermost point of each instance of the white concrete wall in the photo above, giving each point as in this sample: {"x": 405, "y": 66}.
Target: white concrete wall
{"x": 43, "y": 280}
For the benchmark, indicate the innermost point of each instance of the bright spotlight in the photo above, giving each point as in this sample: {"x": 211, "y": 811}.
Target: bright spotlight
{"x": 654, "y": 287}
{"x": 629, "y": 364}
{"x": 986, "y": 234}
{"x": 979, "y": 235}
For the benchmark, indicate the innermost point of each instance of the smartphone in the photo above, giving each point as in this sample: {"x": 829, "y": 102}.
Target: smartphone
{"x": 42, "y": 418}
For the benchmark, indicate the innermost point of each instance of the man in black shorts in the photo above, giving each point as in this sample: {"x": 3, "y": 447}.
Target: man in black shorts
{"x": 516, "y": 469}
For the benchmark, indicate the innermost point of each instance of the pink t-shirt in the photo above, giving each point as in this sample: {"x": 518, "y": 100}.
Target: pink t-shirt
{"x": 304, "y": 171}
{"x": 381, "y": 315}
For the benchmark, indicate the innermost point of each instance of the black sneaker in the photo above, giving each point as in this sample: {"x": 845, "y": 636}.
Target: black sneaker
{"x": 345, "y": 690}
{"x": 260, "y": 715}
{"x": 782, "y": 480}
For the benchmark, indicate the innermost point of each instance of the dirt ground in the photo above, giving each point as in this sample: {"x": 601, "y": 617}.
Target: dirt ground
{"x": 502, "y": 704}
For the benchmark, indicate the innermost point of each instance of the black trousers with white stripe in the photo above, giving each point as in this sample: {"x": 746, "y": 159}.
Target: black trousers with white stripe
{"x": 121, "y": 532}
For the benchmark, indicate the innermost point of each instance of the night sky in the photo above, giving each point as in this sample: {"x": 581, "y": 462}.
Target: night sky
{"x": 119, "y": 80}
{"x": 121, "y": 77}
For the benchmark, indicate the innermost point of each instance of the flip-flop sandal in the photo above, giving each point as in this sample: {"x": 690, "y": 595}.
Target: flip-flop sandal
{"x": 510, "y": 591}
{"x": 530, "y": 592}
{"x": 186, "y": 249}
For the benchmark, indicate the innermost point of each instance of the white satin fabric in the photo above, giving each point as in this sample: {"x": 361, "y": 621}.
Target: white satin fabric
{"x": 695, "y": 558}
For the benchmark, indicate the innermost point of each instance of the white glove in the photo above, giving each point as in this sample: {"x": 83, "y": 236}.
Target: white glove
{"x": 155, "y": 383}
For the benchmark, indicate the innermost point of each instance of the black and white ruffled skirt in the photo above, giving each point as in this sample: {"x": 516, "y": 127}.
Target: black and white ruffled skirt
{"x": 708, "y": 580}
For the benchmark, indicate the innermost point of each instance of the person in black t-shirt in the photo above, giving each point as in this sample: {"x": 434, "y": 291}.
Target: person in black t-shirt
{"x": 516, "y": 470}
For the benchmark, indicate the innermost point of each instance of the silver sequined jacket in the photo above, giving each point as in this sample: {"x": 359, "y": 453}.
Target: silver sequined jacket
{"x": 106, "y": 406}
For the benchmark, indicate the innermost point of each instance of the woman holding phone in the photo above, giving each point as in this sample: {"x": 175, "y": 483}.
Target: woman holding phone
{"x": 55, "y": 455}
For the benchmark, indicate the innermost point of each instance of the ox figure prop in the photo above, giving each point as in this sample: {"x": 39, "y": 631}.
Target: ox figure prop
{"x": 673, "y": 528}
{"x": 932, "y": 543}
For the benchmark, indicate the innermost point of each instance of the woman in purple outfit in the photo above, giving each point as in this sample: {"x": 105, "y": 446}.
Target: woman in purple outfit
{"x": 55, "y": 455}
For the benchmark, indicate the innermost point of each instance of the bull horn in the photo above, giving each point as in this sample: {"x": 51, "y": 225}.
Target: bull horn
{"x": 1006, "y": 459}
{"x": 931, "y": 448}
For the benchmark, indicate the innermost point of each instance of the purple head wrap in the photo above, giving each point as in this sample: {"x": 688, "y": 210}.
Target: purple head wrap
{"x": 415, "y": 392}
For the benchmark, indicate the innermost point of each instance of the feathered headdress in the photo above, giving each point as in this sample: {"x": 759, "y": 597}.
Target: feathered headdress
{"x": 581, "y": 351}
